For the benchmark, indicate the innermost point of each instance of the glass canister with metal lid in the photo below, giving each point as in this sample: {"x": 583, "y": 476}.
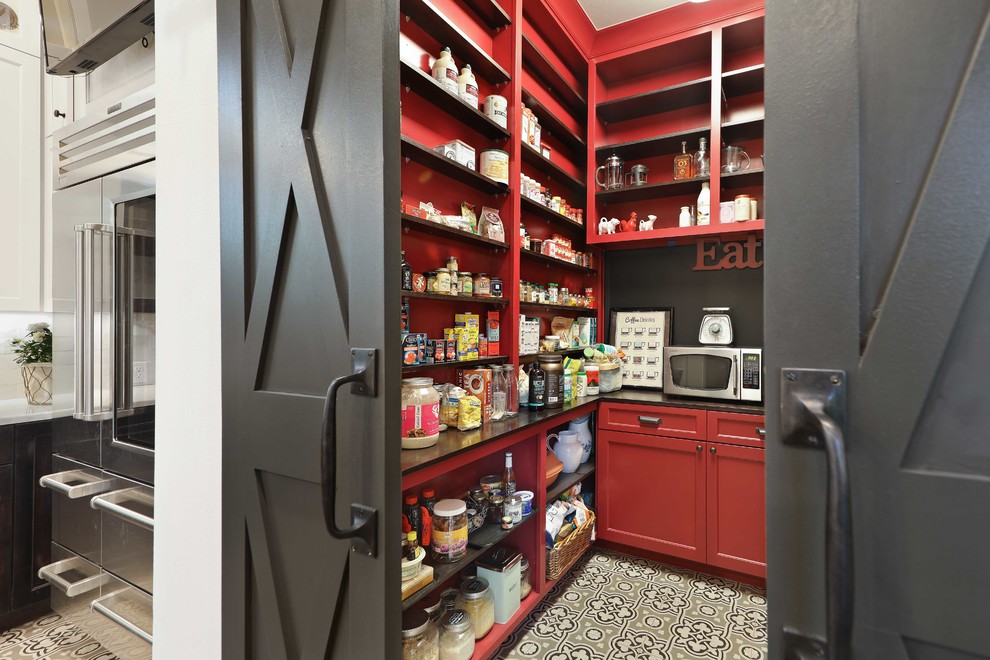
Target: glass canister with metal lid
{"x": 477, "y": 600}
{"x": 450, "y": 530}
{"x": 420, "y": 636}
{"x": 456, "y": 636}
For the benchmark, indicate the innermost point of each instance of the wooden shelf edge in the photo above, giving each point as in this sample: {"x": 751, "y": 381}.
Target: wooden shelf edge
{"x": 466, "y": 300}
{"x": 572, "y": 98}
{"x": 440, "y": 164}
{"x": 588, "y": 311}
{"x": 620, "y": 146}
{"x": 430, "y": 227}
{"x": 551, "y": 120}
{"x": 679, "y": 233}
{"x": 423, "y": 84}
{"x": 547, "y": 166}
{"x": 455, "y": 364}
{"x": 542, "y": 258}
{"x": 529, "y": 206}
{"x": 583, "y": 472}
{"x": 490, "y": 12}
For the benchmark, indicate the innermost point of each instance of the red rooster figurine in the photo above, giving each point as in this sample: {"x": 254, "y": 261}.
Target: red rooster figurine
{"x": 630, "y": 224}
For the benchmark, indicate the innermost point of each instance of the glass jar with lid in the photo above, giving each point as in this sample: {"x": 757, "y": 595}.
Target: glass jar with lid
{"x": 420, "y": 636}
{"x": 465, "y": 283}
{"x": 525, "y": 587}
{"x": 552, "y": 293}
{"x": 442, "y": 281}
{"x": 456, "y": 636}
{"x": 420, "y": 413}
{"x": 450, "y": 531}
{"x": 482, "y": 285}
{"x": 512, "y": 507}
{"x": 477, "y": 599}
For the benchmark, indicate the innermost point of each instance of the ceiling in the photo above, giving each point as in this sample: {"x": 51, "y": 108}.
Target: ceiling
{"x": 605, "y": 13}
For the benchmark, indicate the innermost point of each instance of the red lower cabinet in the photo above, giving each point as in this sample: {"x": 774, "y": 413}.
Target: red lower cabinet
{"x": 652, "y": 493}
{"x": 737, "y": 516}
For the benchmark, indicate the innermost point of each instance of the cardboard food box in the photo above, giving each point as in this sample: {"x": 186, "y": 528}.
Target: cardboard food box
{"x": 529, "y": 335}
{"x": 492, "y": 326}
{"x": 478, "y": 382}
{"x": 415, "y": 210}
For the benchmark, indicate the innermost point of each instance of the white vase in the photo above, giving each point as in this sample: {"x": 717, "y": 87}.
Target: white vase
{"x": 37, "y": 379}
{"x": 583, "y": 427}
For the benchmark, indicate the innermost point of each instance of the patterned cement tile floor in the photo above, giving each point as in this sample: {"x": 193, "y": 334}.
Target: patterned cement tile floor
{"x": 50, "y": 638}
{"x": 613, "y": 606}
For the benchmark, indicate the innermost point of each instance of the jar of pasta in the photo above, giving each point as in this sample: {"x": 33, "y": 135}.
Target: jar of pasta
{"x": 420, "y": 636}
{"x": 450, "y": 531}
{"x": 477, "y": 599}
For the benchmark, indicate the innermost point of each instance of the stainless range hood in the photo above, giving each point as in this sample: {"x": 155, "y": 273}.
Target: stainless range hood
{"x": 80, "y": 35}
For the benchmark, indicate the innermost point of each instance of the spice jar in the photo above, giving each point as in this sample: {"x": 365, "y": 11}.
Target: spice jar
{"x": 476, "y": 599}
{"x": 420, "y": 413}
{"x": 442, "y": 281}
{"x": 450, "y": 531}
{"x": 524, "y": 585}
{"x": 457, "y": 636}
{"x": 452, "y": 263}
{"x": 495, "y": 504}
{"x": 482, "y": 286}
{"x": 420, "y": 636}
{"x": 465, "y": 283}
{"x": 496, "y": 287}
{"x": 513, "y": 508}
{"x": 431, "y": 281}
{"x": 448, "y": 599}
{"x": 552, "y": 293}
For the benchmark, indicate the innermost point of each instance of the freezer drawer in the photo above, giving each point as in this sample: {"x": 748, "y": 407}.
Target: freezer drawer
{"x": 124, "y": 619}
{"x": 75, "y": 524}
{"x": 75, "y": 584}
{"x": 128, "y": 531}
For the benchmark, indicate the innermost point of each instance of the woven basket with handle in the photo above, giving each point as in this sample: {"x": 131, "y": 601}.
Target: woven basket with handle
{"x": 563, "y": 555}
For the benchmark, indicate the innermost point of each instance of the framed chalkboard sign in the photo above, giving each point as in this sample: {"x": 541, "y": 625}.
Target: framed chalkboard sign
{"x": 642, "y": 335}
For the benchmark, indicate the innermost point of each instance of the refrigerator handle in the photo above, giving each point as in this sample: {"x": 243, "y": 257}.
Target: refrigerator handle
{"x": 363, "y": 531}
{"x": 89, "y": 276}
{"x": 124, "y": 311}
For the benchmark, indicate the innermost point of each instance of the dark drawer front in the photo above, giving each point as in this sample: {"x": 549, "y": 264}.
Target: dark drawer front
{"x": 6, "y": 444}
{"x": 686, "y": 423}
{"x": 736, "y": 429}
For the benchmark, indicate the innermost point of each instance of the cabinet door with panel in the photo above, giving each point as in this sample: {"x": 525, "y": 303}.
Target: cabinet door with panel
{"x": 737, "y": 517}
{"x": 736, "y": 428}
{"x": 20, "y": 26}
{"x": 652, "y": 493}
{"x": 670, "y": 422}
{"x": 6, "y": 535}
{"x": 58, "y": 108}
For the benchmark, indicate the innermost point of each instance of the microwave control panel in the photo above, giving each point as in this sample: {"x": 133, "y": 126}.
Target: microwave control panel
{"x": 751, "y": 371}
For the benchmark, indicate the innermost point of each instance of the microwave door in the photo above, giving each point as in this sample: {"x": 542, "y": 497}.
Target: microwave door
{"x": 703, "y": 374}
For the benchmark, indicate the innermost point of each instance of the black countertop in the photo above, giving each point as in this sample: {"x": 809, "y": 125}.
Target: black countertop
{"x": 454, "y": 442}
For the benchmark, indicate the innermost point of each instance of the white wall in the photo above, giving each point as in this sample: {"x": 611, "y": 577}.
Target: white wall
{"x": 188, "y": 425}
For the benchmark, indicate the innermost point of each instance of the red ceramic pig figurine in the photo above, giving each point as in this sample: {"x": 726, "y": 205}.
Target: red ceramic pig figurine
{"x": 629, "y": 224}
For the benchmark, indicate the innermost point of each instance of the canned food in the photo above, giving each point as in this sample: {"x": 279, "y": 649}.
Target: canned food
{"x": 497, "y": 109}
{"x": 495, "y": 165}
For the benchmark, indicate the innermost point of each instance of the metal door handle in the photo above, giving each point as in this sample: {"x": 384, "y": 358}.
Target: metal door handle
{"x": 761, "y": 432}
{"x": 812, "y": 409}
{"x": 656, "y": 421}
{"x": 52, "y": 575}
{"x": 91, "y": 283}
{"x": 57, "y": 482}
{"x": 113, "y": 503}
{"x": 712, "y": 450}
{"x": 698, "y": 449}
{"x": 363, "y": 531}
{"x": 98, "y": 606}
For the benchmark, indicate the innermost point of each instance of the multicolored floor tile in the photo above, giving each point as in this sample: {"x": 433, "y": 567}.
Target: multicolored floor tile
{"x": 50, "y": 638}
{"x": 613, "y": 606}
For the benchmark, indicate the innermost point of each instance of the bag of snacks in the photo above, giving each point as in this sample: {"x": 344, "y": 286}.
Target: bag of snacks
{"x": 490, "y": 225}
{"x": 468, "y": 413}
{"x": 470, "y": 217}
{"x": 449, "y": 405}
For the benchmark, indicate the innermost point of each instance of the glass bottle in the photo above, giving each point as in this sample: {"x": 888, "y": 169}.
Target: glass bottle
{"x": 702, "y": 165}
{"x": 512, "y": 384}
{"x": 406, "y": 273}
{"x": 500, "y": 392}
{"x": 683, "y": 164}
{"x": 537, "y": 387}
{"x": 509, "y": 475}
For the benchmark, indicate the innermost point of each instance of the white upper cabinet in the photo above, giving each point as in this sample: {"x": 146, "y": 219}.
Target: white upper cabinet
{"x": 20, "y": 182}
{"x": 58, "y": 108}
{"x": 20, "y": 25}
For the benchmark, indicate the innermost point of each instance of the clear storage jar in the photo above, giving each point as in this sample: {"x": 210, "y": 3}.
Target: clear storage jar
{"x": 525, "y": 587}
{"x": 420, "y": 636}
{"x": 477, "y": 600}
{"x": 610, "y": 378}
{"x": 456, "y": 636}
{"x": 450, "y": 531}
{"x": 420, "y": 413}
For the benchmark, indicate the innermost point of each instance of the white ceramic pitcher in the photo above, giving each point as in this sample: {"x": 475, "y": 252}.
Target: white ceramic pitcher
{"x": 583, "y": 427}
{"x": 568, "y": 449}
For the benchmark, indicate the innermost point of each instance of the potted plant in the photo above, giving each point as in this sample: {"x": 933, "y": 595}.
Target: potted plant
{"x": 34, "y": 354}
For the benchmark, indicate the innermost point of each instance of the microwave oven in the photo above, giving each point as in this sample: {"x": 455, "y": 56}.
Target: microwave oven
{"x": 714, "y": 372}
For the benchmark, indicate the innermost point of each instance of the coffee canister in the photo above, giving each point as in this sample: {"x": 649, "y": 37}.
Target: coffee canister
{"x": 495, "y": 165}
{"x": 497, "y": 109}
{"x": 743, "y": 208}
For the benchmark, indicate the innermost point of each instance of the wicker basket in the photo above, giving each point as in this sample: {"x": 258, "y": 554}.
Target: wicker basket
{"x": 564, "y": 554}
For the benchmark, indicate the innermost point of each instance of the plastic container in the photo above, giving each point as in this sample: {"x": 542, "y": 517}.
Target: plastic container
{"x": 610, "y": 378}
{"x": 526, "y": 496}
{"x": 450, "y": 531}
{"x": 410, "y": 569}
{"x": 420, "y": 413}
{"x": 591, "y": 373}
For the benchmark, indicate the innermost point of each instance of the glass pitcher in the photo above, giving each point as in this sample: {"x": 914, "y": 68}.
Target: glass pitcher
{"x": 733, "y": 159}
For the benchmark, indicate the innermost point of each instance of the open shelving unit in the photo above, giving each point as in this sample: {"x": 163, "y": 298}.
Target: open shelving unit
{"x": 423, "y": 155}
{"x": 412, "y": 222}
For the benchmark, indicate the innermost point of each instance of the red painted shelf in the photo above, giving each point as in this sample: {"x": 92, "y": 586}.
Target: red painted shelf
{"x": 546, "y": 72}
{"x": 743, "y": 81}
{"x": 423, "y": 155}
{"x": 426, "y": 14}
{"x": 735, "y": 132}
{"x": 423, "y": 84}
{"x": 556, "y": 174}
{"x": 580, "y": 311}
{"x": 743, "y": 178}
{"x": 460, "y": 300}
{"x": 456, "y": 364}
{"x": 565, "y": 481}
{"x": 652, "y": 191}
{"x": 531, "y": 357}
{"x": 655, "y": 146}
{"x": 674, "y": 234}
{"x": 665, "y": 99}
{"x": 536, "y": 256}
{"x": 412, "y": 222}
{"x": 554, "y": 218}
{"x": 490, "y": 13}
{"x": 553, "y": 126}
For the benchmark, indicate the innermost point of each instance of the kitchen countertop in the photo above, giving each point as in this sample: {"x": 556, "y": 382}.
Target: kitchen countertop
{"x": 17, "y": 411}
{"x": 453, "y": 442}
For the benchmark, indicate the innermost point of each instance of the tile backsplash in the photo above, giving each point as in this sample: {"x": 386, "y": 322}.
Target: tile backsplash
{"x": 14, "y": 324}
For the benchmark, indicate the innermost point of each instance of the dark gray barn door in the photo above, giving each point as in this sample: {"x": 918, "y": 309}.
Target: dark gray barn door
{"x": 877, "y": 264}
{"x": 308, "y": 121}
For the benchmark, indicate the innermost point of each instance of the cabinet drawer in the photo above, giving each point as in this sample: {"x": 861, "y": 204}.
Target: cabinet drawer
{"x": 736, "y": 428}
{"x": 654, "y": 420}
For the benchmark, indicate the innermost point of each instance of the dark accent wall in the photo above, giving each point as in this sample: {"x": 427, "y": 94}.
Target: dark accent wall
{"x": 662, "y": 277}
